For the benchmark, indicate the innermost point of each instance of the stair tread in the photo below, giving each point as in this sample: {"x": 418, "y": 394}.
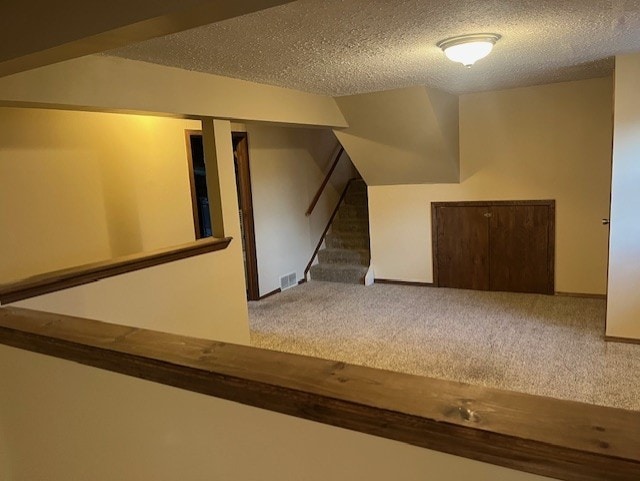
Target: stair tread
{"x": 347, "y": 256}
{"x": 350, "y": 234}
{"x": 344, "y": 249}
{"x": 344, "y": 273}
{"x": 342, "y": 255}
{"x": 356, "y": 241}
{"x": 355, "y": 220}
{"x": 341, "y": 267}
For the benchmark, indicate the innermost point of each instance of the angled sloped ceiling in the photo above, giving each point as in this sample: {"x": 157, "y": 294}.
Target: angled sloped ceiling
{"x": 404, "y": 136}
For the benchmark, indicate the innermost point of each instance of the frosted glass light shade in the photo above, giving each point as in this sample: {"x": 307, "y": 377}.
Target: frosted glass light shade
{"x": 468, "y": 49}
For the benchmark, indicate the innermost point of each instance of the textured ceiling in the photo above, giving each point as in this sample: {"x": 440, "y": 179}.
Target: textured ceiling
{"x": 342, "y": 47}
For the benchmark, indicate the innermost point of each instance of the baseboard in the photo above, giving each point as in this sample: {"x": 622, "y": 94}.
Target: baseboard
{"x": 625, "y": 340}
{"x": 278, "y": 290}
{"x": 269, "y": 294}
{"x": 585, "y": 296}
{"x": 403, "y": 283}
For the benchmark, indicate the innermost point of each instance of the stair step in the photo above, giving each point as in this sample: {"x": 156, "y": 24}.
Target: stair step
{"x": 344, "y": 256}
{"x": 358, "y": 186}
{"x": 356, "y": 198}
{"x": 347, "y": 273}
{"x": 341, "y": 240}
{"x": 347, "y": 211}
{"x": 350, "y": 225}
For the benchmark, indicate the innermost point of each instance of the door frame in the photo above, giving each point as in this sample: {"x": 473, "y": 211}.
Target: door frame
{"x": 244, "y": 185}
{"x": 551, "y": 246}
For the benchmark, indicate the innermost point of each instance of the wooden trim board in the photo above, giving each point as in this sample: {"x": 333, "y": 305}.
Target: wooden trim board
{"x": 403, "y": 283}
{"x": 245, "y": 194}
{"x": 77, "y": 276}
{"x": 625, "y": 340}
{"x": 490, "y": 203}
{"x": 434, "y": 243}
{"x": 582, "y": 295}
{"x": 431, "y": 284}
{"x": 550, "y": 437}
{"x": 269, "y": 294}
{"x": 551, "y": 245}
{"x": 316, "y": 198}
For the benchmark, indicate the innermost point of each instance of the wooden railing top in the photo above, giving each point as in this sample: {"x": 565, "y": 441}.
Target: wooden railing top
{"x": 550, "y": 437}
{"x": 76, "y": 276}
{"x": 316, "y": 198}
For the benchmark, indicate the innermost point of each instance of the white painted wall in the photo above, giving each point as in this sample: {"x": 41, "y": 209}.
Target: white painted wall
{"x": 287, "y": 167}
{"x": 544, "y": 142}
{"x": 65, "y": 421}
{"x": 623, "y": 307}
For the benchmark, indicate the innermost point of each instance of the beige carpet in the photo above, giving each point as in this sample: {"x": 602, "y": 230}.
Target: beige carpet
{"x": 551, "y": 346}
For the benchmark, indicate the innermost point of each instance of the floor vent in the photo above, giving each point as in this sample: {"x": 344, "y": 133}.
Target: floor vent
{"x": 288, "y": 281}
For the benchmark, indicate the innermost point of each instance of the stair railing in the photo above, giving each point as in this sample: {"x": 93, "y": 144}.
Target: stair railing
{"x": 338, "y": 156}
{"x": 326, "y": 229}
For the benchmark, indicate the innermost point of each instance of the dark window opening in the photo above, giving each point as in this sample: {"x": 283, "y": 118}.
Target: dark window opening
{"x": 200, "y": 196}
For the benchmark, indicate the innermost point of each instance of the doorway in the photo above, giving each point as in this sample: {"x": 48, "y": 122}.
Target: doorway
{"x": 200, "y": 200}
{"x": 245, "y": 210}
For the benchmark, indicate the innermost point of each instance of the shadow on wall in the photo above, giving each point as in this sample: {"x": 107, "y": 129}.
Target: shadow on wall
{"x": 118, "y": 180}
{"x": 78, "y": 187}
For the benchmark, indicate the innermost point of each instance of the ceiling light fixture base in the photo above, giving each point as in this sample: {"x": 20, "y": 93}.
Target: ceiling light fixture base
{"x": 468, "y": 49}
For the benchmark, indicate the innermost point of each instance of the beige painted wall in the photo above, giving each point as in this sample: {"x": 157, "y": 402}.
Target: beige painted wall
{"x": 623, "y": 307}
{"x": 110, "y": 83}
{"x": 65, "y": 421}
{"x": 201, "y": 296}
{"x": 543, "y": 142}
{"x": 6, "y": 463}
{"x": 77, "y": 187}
{"x": 402, "y": 136}
{"x": 287, "y": 167}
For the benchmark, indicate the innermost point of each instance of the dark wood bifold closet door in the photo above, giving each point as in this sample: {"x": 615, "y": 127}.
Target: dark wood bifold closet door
{"x": 498, "y": 245}
{"x": 463, "y": 247}
{"x": 519, "y": 248}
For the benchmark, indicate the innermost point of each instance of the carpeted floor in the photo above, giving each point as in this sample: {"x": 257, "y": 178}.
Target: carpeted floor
{"x": 546, "y": 345}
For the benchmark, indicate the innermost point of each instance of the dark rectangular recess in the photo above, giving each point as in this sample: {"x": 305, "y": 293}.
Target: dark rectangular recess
{"x": 545, "y": 283}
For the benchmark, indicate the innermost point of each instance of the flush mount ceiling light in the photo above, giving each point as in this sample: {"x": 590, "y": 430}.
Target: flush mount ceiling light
{"x": 468, "y": 49}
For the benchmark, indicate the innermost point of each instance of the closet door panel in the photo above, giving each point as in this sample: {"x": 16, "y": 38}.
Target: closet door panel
{"x": 519, "y": 248}
{"x": 463, "y": 247}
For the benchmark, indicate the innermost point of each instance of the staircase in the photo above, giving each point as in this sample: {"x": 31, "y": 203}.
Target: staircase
{"x": 346, "y": 256}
